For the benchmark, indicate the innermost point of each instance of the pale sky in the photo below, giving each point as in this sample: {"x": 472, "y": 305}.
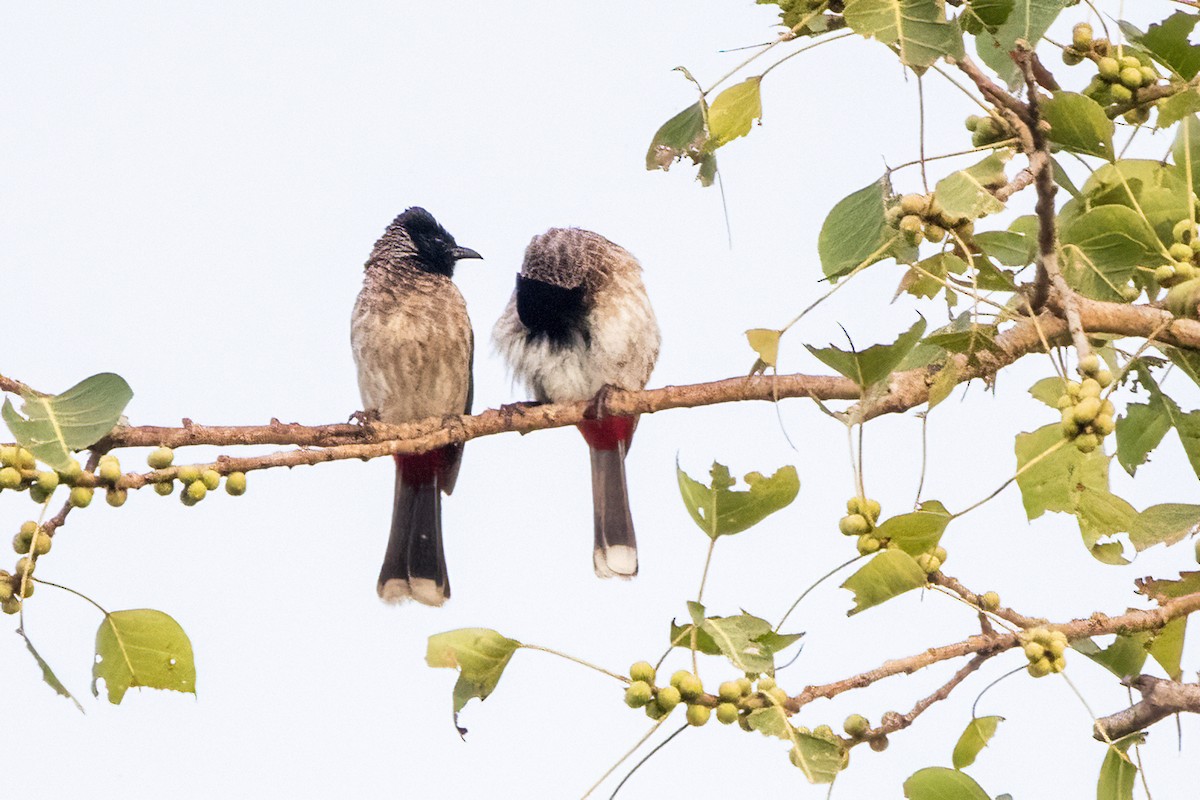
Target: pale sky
{"x": 189, "y": 193}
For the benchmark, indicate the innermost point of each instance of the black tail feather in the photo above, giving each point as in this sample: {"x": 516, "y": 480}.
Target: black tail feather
{"x": 414, "y": 565}
{"x": 615, "y": 552}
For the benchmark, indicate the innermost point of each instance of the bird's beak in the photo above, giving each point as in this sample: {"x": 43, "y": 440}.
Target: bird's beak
{"x": 464, "y": 252}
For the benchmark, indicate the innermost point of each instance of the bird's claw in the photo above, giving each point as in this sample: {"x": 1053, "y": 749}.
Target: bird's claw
{"x": 597, "y": 407}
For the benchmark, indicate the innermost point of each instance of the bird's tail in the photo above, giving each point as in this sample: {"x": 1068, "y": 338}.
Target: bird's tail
{"x": 414, "y": 565}
{"x": 615, "y": 552}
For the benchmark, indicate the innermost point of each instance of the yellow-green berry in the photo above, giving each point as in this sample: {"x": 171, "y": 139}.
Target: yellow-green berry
{"x": 745, "y": 686}
{"x": 24, "y": 569}
{"x": 116, "y": 497}
{"x": 1108, "y": 68}
{"x": 8, "y": 455}
{"x": 81, "y": 496}
{"x": 729, "y": 692}
{"x": 110, "y": 469}
{"x": 1040, "y": 668}
{"x": 638, "y": 694}
{"x": 639, "y": 671}
{"x": 48, "y": 481}
{"x": 10, "y": 606}
{"x": 727, "y": 713}
{"x": 989, "y": 601}
{"x": 698, "y": 715}
{"x": 654, "y": 712}
{"x": 188, "y": 474}
{"x": 235, "y": 483}
{"x": 766, "y": 683}
{"x": 868, "y": 544}
{"x": 196, "y": 490}
{"x": 211, "y": 479}
{"x": 856, "y": 725}
{"x": 1087, "y": 442}
{"x": 164, "y": 488}
{"x": 71, "y": 472}
{"x": 10, "y": 478}
{"x": 853, "y": 525}
{"x": 25, "y": 459}
{"x": 1081, "y": 36}
{"x": 879, "y": 744}
{"x": 667, "y": 698}
{"x": 160, "y": 458}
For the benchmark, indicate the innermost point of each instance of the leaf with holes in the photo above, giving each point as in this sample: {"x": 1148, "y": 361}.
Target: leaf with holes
{"x": 142, "y": 648}
{"x": 53, "y": 426}
{"x": 720, "y": 510}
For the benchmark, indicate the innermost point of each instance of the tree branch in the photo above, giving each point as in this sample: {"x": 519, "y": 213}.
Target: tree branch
{"x": 1160, "y": 699}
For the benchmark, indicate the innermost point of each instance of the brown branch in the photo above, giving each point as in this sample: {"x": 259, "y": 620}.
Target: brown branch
{"x": 956, "y": 586}
{"x": 1096, "y": 625}
{"x": 892, "y": 722}
{"x": 1160, "y": 699}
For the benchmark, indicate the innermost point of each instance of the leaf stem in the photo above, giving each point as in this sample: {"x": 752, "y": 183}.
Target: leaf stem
{"x": 646, "y": 758}
{"x": 72, "y": 591}
{"x": 1052, "y": 449}
{"x": 818, "y": 582}
{"x": 580, "y": 661}
{"x": 622, "y": 759}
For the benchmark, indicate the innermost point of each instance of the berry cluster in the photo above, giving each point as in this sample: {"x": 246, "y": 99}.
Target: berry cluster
{"x": 1120, "y": 73}
{"x": 988, "y": 130}
{"x": 1045, "y": 650}
{"x": 1183, "y": 250}
{"x": 919, "y": 217}
{"x": 931, "y": 561}
{"x": 197, "y": 483}
{"x": 30, "y": 542}
{"x": 662, "y": 700}
{"x": 860, "y": 521}
{"x": 1086, "y": 418}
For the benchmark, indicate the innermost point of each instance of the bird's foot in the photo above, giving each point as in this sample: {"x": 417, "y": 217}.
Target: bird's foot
{"x": 597, "y": 407}
{"x": 365, "y": 420}
{"x": 509, "y": 410}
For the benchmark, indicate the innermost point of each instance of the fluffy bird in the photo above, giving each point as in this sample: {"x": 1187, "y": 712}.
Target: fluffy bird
{"x": 578, "y": 323}
{"x": 413, "y": 348}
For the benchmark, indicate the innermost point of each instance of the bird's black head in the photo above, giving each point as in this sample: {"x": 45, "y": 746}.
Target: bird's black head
{"x": 433, "y": 244}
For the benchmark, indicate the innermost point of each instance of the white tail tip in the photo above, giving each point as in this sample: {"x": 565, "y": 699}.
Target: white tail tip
{"x": 617, "y": 561}
{"x": 395, "y": 591}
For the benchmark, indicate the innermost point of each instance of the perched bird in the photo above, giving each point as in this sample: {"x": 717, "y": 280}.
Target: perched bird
{"x": 413, "y": 347}
{"x": 578, "y": 323}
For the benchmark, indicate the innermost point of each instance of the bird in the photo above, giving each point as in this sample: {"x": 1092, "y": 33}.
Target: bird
{"x": 413, "y": 349}
{"x": 578, "y": 324}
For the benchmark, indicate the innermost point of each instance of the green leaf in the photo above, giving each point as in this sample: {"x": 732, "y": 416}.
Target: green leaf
{"x": 1167, "y": 647}
{"x": 770, "y": 721}
{"x": 479, "y": 654}
{"x": 53, "y": 426}
{"x": 736, "y": 636}
{"x": 1157, "y": 190}
{"x": 721, "y": 511}
{"x": 1008, "y": 247}
{"x": 855, "y": 233}
{"x": 1166, "y": 523}
{"x": 940, "y": 783}
{"x": 1103, "y": 247}
{"x": 1139, "y": 432}
{"x": 874, "y": 364}
{"x": 1185, "y": 150}
{"x": 819, "y": 760}
{"x": 1056, "y": 481}
{"x": 48, "y": 674}
{"x": 681, "y": 636}
{"x": 1122, "y": 658}
{"x": 944, "y": 383}
{"x": 1187, "y": 361}
{"x": 887, "y": 575}
{"x": 991, "y": 13}
{"x": 733, "y": 112}
{"x": 1176, "y": 107}
{"x": 1048, "y": 390}
{"x": 919, "y": 284}
{"x": 143, "y": 648}
{"x": 1167, "y": 42}
{"x": 1029, "y": 20}
{"x": 965, "y": 193}
{"x": 1187, "y": 426}
{"x": 682, "y": 135}
{"x": 1117, "y": 772}
{"x": 1063, "y": 179}
{"x": 1079, "y": 124}
{"x": 978, "y": 733}
{"x": 765, "y": 342}
{"x": 918, "y": 28}
{"x": 1188, "y": 583}
{"x": 971, "y": 340}
{"x": 917, "y": 531}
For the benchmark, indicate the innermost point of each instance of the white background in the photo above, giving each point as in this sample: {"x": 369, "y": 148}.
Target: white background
{"x": 188, "y": 193}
